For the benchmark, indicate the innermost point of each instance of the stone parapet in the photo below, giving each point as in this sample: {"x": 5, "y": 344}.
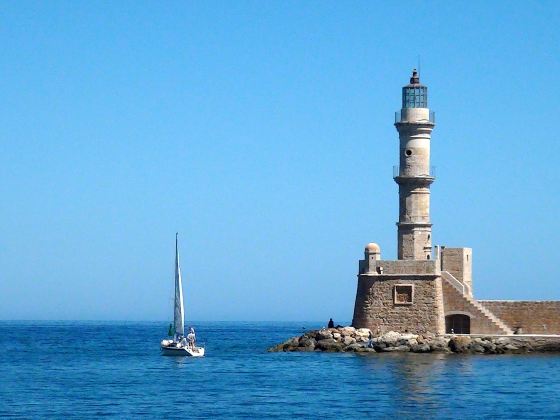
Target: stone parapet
{"x": 400, "y": 267}
{"x": 526, "y": 316}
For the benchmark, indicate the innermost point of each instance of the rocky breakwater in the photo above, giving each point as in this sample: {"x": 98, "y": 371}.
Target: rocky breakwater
{"x": 349, "y": 339}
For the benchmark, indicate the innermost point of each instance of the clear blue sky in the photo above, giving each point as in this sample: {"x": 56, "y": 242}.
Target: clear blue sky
{"x": 263, "y": 133}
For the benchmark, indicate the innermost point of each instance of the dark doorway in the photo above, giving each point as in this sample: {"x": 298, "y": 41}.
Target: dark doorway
{"x": 457, "y": 324}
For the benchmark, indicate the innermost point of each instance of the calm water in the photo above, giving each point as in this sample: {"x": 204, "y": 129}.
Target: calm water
{"x": 92, "y": 369}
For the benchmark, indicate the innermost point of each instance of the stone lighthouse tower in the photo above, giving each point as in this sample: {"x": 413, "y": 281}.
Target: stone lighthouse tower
{"x": 415, "y": 123}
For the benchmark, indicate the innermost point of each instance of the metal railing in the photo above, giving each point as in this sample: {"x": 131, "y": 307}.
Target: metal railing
{"x": 397, "y": 172}
{"x": 400, "y": 119}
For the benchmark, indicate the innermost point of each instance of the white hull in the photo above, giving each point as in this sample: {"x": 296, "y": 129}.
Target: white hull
{"x": 182, "y": 351}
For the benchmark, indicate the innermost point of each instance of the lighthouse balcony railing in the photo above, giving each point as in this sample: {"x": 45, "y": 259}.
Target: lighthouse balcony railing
{"x": 397, "y": 172}
{"x": 400, "y": 118}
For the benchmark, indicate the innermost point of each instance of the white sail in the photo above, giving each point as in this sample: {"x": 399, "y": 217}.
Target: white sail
{"x": 179, "y": 310}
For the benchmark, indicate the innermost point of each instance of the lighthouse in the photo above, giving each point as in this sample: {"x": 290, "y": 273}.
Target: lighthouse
{"x": 414, "y": 175}
{"x": 420, "y": 292}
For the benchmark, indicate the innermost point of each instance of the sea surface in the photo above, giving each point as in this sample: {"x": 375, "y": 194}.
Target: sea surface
{"x": 91, "y": 369}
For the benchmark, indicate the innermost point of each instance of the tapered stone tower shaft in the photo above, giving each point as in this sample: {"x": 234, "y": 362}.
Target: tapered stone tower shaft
{"x": 415, "y": 123}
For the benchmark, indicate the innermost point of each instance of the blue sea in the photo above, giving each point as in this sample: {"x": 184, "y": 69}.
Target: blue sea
{"x": 91, "y": 369}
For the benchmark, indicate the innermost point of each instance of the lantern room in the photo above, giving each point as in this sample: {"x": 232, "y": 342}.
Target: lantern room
{"x": 415, "y": 95}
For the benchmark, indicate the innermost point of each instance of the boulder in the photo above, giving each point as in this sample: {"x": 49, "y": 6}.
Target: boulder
{"x": 323, "y": 335}
{"x": 347, "y": 340}
{"x": 391, "y": 338}
{"x": 396, "y": 348}
{"x": 460, "y": 344}
{"x": 511, "y": 348}
{"x": 348, "y": 331}
{"x": 363, "y": 332}
{"x": 439, "y": 344}
{"x": 354, "y": 347}
{"x": 407, "y": 342}
{"x": 488, "y": 346}
{"x": 477, "y": 348}
{"x": 408, "y": 336}
{"x": 305, "y": 341}
{"x": 329, "y": 344}
{"x": 420, "y": 348}
{"x": 277, "y": 348}
{"x": 303, "y": 349}
{"x": 379, "y": 346}
{"x": 336, "y": 335}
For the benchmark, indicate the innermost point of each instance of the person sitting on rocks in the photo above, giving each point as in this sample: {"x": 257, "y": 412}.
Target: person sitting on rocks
{"x": 331, "y": 323}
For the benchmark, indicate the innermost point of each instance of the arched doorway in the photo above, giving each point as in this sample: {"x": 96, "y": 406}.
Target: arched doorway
{"x": 458, "y": 324}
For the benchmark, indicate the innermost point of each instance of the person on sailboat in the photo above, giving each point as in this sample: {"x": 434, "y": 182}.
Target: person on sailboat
{"x": 191, "y": 338}
{"x": 183, "y": 342}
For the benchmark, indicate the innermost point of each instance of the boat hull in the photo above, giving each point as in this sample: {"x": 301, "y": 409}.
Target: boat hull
{"x": 182, "y": 351}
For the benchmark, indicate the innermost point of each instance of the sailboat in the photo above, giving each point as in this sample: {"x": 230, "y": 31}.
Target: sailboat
{"x": 180, "y": 345}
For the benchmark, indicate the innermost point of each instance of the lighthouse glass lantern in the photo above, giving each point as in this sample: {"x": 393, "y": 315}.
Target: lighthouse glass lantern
{"x": 415, "y": 95}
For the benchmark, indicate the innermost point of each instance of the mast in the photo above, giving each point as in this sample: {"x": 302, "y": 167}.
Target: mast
{"x": 179, "y": 310}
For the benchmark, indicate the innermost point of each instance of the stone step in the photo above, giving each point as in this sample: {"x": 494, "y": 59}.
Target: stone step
{"x": 494, "y": 320}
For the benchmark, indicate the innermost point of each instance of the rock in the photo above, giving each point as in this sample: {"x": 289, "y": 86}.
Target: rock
{"x": 408, "y": 336}
{"x": 396, "y": 348}
{"x": 488, "y": 346}
{"x": 420, "y": 348}
{"x": 379, "y": 346}
{"x": 407, "y": 342}
{"x": 303, "y": 349}
{"x": 363, "y": 332}
{"x": 460, "y": 344}
{"x": 277, "y": 348}
{"x": 476, "y": 348}
{"x": 390, "y": 338}
{"x": 511, "y": 347}
{"x": 347, "y": 340}
{"x": 348, "y": 331}
{"x": 439, "y": 344}
{"x": 351, "y": 340}
{"x": 354, "y": 347}
{"x": 294, "y": 341}
{"x": 323, "y": 335}
{"x": 307, "y": 342}
{"x": 502, "y": 341}
{"x": 329, "y": 344}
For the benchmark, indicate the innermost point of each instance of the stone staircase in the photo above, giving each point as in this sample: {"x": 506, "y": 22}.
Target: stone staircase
{"x": 476, "y": 306}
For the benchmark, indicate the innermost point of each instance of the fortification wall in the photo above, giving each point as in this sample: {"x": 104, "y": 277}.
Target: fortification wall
{"x": 533, "y": 317}
{"x": 377, "y": 304}
{"x": 456, "y": 303}
{"x": 404, "y": 267}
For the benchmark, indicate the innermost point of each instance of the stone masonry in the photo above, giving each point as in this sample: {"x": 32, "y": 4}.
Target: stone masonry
{"x": 421, "y": 292}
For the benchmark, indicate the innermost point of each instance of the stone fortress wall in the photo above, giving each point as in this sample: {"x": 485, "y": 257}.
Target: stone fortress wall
{"x": 527, "y": 317}
{"x": 402, "y": 295}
